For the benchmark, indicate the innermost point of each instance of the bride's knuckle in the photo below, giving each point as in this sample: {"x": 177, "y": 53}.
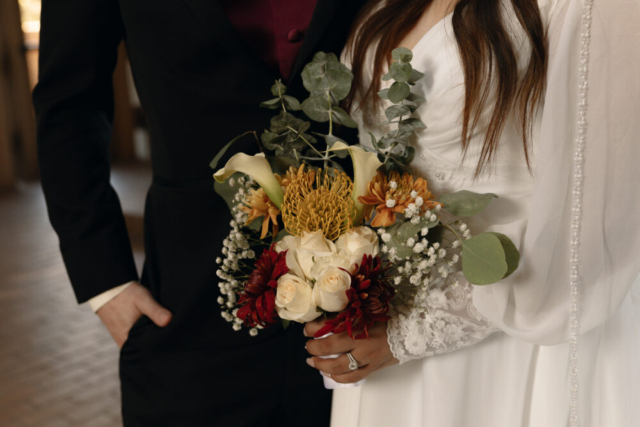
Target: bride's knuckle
{"x": 324, "y": 346}
{"x": 336, "y": 366}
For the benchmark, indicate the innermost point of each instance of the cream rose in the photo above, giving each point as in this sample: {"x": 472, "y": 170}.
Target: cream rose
{"x": 357, "y": 242}
{"x": 294, "y": 299}
{"x": 304, "y": 251}
{"x": 330, "y": 290}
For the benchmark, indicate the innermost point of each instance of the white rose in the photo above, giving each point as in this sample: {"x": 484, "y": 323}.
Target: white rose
{"x": 294, "y": 299}
{"x": 330, "y": 290}
{"x": 357, "y": 242}
{"x": 304, "y": 251}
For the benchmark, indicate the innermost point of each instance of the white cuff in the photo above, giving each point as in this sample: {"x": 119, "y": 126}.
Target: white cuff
{"x": 98, "y": 301}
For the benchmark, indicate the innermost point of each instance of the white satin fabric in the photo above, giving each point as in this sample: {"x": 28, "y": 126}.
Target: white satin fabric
{"x": 519, "y": 375}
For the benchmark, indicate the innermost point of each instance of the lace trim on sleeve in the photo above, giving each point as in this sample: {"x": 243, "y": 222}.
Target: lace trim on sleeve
{"x": 450, "y": 322}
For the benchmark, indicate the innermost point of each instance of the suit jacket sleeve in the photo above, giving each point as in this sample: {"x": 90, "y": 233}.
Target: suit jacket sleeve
{"x": 74, "y": 110}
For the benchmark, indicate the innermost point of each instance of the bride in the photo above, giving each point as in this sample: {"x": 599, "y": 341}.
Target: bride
{"x": 537, "y": 102}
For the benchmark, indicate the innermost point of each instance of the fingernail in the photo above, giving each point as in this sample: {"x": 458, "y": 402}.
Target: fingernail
{"x": 165, "y": 316}
{"x": 326, "y": 375}
{"x": 310, "y": 362}
{"x": 304, "y": 332}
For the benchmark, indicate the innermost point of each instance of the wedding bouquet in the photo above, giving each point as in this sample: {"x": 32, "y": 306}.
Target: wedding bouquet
{"x": 309, "y": 239}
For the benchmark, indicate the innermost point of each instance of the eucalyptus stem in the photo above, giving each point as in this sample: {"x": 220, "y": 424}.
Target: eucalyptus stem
{"x": 305, "y": 140}
{"x": 330, "y": 114}
{"x": 450, "y": 228}
{"x": 284, "y": 108}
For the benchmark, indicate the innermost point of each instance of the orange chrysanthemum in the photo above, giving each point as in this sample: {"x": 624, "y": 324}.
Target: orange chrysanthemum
{"x": 259, "y": 205}
{"x": 292, "y": 174}
{"x": 394, "y": 195}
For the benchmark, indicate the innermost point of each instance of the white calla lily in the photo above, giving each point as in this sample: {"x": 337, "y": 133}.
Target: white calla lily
{"x": 365, "y": 165}
{"x": 258, "y": 168}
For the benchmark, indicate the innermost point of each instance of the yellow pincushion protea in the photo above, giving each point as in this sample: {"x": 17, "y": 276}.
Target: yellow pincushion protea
{"x": 323, "y": 203}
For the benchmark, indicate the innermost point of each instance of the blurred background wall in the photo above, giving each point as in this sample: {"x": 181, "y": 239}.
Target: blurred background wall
{"x": 58, "y": 365}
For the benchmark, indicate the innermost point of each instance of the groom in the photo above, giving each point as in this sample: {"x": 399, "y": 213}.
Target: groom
{"x": 201, "y": 68}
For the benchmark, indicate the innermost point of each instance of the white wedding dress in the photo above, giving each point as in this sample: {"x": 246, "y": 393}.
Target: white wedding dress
{"x": 499, "y": 355}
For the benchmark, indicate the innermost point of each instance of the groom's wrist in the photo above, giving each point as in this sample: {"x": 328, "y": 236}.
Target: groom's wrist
{"x": 97, "y": 302}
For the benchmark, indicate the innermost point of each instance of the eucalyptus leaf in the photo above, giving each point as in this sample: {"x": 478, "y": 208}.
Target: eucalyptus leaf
{"x": 407, "y": 155}
{"x": 281, "y": 164}
{"x": 304, "y": 126}
{"x": 512, "y": 256}
{"x": 326, "y": 75}
{"x": 374, "y": 141}
{"x": 415, "y": 98}
{"x": 400, "y": 71}
{"x": 272, "y": 104}
{"x": 397, "y": 111}
{"x": 278, "y": 89}
{"x": 466, "y": 203}
{"x": 398, "y": 92}
{"x": 387, "y": 77}
{"x": 415, "y": 76}
{"x": 291, "y": 103}
{"x": 402, "y": 54}
{"x": 316, "y": 108}
{"x": 411, "y": 125}
{"x": 483, "y": 259}
{"x": 343, "y": 118}
{"x": 384, "y": 94}
{"x": 283, "y": 121}
{"x": 271, "y": 140}
{"x": 367, "y": 148}
{"x": 412, "y": 107}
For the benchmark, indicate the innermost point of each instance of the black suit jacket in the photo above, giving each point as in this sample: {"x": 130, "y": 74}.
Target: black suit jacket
{"x": 199, "y": 84}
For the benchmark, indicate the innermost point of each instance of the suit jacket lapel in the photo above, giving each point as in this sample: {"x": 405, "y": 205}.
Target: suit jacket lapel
{"x": 212, "y": 14}
{"x": 322, "y": 17}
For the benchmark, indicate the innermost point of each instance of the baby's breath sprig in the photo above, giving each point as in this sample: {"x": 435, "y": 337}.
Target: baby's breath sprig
{"x": 236, "y": 263}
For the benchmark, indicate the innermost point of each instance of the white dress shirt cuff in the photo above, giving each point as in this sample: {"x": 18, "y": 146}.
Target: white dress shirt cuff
{"x": 98, "y": 301}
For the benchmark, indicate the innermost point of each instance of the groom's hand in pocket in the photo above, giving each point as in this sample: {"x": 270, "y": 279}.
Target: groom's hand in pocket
{"x": 119, "y": 314}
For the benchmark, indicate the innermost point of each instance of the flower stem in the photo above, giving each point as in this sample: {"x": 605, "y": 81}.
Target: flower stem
{"x": 450, "y": 228}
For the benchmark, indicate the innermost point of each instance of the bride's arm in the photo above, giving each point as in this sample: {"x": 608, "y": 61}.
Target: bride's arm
{"x": 582, "y": 237}
{"x": 449, "y": 322}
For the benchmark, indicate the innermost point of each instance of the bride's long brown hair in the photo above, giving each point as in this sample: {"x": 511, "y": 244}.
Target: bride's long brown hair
{"x": 487, "y": 53}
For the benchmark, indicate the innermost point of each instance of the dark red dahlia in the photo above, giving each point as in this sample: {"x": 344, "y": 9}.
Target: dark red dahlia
{"x": 369, "y": 297}
{"x": 258, "y": 300}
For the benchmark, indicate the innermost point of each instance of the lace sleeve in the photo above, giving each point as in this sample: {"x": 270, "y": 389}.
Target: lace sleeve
{"x": 450, "y": 322}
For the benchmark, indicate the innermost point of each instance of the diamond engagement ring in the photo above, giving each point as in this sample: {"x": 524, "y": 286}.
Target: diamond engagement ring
{"x": 353, "y": 363}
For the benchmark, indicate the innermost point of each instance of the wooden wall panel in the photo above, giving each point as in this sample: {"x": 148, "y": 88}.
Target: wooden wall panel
{"x": 18, "y": 117}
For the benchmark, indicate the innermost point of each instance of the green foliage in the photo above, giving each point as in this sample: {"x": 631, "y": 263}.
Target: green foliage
{"x": 326, "y": 77}
{"x": 466, "y": 203}
{"x": 488, "y": 258}
{"x": 395, "y": 147}
{"x": 483, "y": 259}
{"x": 317, "y": 108}
{"x": 398, "y": 92}
{"x": 511, "y": 254}
{"x": 402, "y": 231}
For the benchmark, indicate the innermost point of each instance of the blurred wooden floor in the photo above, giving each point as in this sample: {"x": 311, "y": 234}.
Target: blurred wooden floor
{"x": 58, "y": 365}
